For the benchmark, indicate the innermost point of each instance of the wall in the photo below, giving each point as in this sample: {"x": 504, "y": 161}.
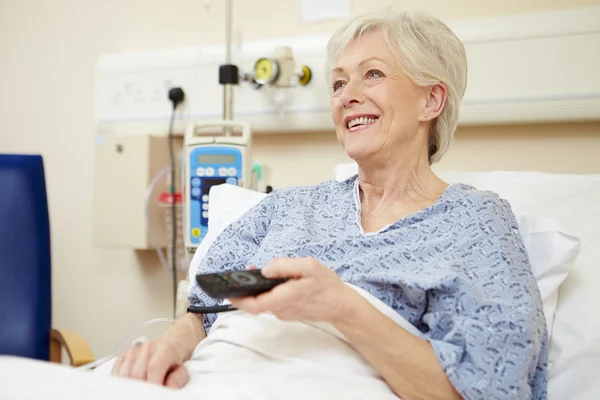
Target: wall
{"x": 48, "y": 52}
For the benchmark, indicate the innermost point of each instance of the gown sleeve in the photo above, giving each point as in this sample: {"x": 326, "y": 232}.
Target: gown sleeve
{"x": 486, "y": 323}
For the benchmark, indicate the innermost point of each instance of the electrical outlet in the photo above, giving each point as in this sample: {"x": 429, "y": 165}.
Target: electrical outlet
{"x": 134, "y": 87}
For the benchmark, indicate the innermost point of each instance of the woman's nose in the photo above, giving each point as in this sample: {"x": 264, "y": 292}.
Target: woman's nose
{"x": 352, "y": 94}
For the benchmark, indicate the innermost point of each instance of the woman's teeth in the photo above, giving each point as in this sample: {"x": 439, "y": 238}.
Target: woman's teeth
{"x": 361, "y": 121}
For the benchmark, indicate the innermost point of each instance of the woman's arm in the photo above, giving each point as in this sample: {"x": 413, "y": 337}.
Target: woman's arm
{"x": 185, "y": 334}
{"x": 406, "y": 362}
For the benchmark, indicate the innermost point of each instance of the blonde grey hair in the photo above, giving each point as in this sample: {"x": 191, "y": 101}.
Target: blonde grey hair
{"x": 429, "y": 53}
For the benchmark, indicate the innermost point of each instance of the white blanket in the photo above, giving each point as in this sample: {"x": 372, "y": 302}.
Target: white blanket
{"x": 261, "y": 357}
{"x": 25, "y": 379}
{"x": 243, "y": 357}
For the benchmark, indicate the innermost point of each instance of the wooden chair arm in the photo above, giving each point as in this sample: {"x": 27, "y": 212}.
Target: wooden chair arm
{"x": 78, "y": 350}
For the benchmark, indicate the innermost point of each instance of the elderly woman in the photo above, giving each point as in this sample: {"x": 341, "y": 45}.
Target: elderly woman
{"x": 447, "y": 258}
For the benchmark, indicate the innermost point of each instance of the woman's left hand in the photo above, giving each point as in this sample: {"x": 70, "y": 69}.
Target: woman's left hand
{"x": 312, "y": 293}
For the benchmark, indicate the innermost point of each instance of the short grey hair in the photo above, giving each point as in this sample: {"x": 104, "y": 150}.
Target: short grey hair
{"x": 428, "y": 51}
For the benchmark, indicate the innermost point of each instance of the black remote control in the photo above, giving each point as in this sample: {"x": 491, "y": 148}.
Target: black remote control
{"x": 232, "y": 284}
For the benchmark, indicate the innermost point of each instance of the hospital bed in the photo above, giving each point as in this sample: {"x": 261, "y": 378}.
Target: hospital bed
{"x": 559, "y": 219}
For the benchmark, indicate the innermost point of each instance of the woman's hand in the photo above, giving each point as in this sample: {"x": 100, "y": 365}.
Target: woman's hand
{"x": 158, "y": 362}
{"x": 312, "y": 293}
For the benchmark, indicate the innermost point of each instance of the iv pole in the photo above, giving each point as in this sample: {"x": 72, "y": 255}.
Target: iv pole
{"x": 228, "y": 84}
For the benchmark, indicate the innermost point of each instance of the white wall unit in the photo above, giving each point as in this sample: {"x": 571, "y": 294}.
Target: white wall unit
{"x": 124, "y": 166}
{"x": 526, "y": 68}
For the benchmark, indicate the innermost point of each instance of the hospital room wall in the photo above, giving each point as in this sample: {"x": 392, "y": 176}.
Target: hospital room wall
{"x": 48, "y": 52}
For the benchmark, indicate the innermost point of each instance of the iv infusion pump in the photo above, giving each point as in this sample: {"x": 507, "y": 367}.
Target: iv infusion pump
{"x": 210, "y": 161}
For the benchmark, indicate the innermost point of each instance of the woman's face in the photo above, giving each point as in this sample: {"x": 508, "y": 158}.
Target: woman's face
{"x": 375, "y": 107}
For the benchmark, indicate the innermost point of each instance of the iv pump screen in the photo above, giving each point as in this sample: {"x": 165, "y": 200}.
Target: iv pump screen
{"x": 216, "y": 159}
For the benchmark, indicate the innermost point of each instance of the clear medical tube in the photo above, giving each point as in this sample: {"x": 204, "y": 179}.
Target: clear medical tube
{"x": 147, "y": 200}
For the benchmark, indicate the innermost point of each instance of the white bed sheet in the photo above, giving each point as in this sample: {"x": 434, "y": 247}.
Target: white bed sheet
{"x": 26, "y": 379}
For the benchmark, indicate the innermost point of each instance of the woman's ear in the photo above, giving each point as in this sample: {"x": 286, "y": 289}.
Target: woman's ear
{"x": 435, "y": 101}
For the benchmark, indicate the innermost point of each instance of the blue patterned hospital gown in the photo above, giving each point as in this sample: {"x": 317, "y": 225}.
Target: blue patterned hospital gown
{"x": 457, "y": 270}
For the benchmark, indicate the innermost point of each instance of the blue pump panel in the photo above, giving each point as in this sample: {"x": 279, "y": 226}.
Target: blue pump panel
{"x": 209, "y": 166}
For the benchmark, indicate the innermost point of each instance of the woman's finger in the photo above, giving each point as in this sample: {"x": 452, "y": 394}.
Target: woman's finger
{"x": 177, "y": 378}
{"x": 128, "y": 361}
{"x": 162, "y": 360}
{"x": 140, "y": 366}
{"x": 276, "y": 298}
{"x": 246, "y": 303}
{"x": 290, "y": 268}
{"x": 117, "y": 366}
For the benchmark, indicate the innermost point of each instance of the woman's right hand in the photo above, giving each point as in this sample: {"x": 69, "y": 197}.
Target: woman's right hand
{"x": 156, "y": 361}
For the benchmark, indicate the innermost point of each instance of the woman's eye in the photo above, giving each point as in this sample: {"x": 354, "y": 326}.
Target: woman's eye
{"x": 373, "y": 73}
{"x": 337, "y": 85}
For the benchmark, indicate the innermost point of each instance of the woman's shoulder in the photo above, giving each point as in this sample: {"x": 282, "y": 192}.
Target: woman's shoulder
{"x": 468, "y": 196}
{"x": 482, "y": 207}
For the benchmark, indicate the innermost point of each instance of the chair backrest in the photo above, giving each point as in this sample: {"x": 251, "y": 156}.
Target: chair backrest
{"x": 25, "y": 285}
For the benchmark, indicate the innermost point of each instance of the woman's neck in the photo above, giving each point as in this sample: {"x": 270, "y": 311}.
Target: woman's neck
{"x": 409, "y": 182}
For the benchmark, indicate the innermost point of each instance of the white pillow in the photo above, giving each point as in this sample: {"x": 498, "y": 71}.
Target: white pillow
{"x": 551, "y": 250}
{"x": 226, "y": 204}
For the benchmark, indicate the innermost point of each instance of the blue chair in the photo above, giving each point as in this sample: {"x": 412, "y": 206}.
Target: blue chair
{"x": 25, "y": 273}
